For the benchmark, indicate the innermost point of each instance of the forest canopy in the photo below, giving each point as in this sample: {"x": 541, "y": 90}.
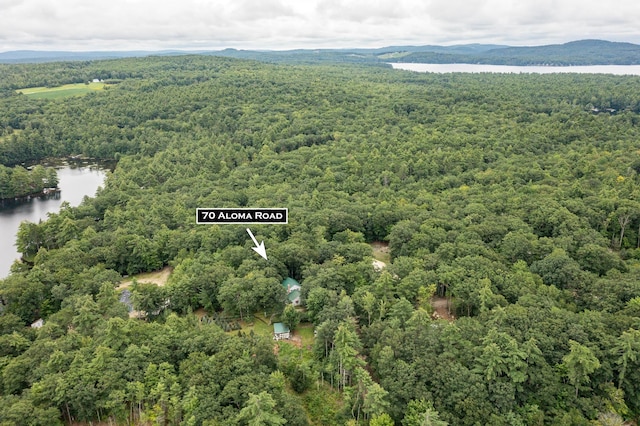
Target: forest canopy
{"x": 19, "y": 182}
{"x": 511, "y": 198}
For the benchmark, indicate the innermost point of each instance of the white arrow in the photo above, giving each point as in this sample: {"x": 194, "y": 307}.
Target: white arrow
{"x": 259, "y": 248}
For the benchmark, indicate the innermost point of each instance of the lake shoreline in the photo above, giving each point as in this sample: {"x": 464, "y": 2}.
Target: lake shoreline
{"x": 77, "y": 179}
{"x": 621, "y": 70}
{"x": 57, "y": 163}
{"x": 72, "y": 161}
{"x": 45, "y": 193}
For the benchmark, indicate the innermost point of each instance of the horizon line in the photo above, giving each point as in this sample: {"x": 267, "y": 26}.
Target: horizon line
{"x": 254, "y": 49}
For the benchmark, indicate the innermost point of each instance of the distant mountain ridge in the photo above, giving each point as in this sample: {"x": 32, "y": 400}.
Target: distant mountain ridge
{"x": 27, "y": 56}
{"x": 581, "y": 52}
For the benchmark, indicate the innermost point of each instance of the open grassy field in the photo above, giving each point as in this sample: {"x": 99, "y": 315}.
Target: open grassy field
{"x": 61, "y": 91}
{"x": 305, "y": 331}
{"x": 394, "y": 55}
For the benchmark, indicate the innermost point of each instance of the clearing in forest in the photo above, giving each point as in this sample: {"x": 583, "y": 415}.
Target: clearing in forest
{"x": 381, "y": 252}
{"x": 64, "y": 91}
{"x": 441, "y": 308}
{"x": 259, "y": 324}
{"x": 157, "y": 277}
{"x": 301, "y": 337}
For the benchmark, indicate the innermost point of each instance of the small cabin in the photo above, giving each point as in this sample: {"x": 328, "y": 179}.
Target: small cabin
{"x": 281, "y": 331}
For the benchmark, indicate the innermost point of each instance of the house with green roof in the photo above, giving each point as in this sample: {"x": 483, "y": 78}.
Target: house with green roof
{"x": 280, "y": 331}
{"x": 293, "y": 290}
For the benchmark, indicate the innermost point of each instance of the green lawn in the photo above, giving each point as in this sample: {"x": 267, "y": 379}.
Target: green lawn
{"x": 61, "y": 91}
{"x": 261, "y": 327}
{"x": 258, "y": 324}
{"x": 305, "y": 331}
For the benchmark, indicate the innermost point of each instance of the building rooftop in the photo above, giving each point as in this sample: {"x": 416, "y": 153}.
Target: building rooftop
{"x": 279, "y": 327}
{"x": 290, "y": 283}
{"x": 293, "y": 295}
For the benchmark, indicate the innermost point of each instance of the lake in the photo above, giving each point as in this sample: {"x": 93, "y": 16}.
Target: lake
{"x": 510, "y": 69}
{"x": 76, "y": 182}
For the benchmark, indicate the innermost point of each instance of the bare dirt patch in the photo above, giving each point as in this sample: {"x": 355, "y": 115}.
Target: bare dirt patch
{"x": 441, "y": 307}
{"x": 296, "y": 340}
{"x": 158, "y": 278}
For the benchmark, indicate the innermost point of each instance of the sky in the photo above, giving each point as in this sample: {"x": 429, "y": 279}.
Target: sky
{"x": 82, "y": 25}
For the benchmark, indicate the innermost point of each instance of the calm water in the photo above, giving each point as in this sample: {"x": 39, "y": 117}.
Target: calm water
{"x": 473, "y": 68}
{"x": 75, "y": 183}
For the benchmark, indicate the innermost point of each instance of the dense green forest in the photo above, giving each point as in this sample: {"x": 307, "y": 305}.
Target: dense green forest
{"x": 19, "y": 182}
{"x": 505, "y": 196}
{"x": 581, "y": 52}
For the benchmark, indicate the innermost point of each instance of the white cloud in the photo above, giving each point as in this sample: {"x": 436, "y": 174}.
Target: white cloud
{"x": 364, "y": 11}
{"x": 153, "y": 24}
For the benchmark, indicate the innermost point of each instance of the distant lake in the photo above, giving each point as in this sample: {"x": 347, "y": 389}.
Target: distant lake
{"x": 75, "y": 182}
{"x": 510, "y": 69}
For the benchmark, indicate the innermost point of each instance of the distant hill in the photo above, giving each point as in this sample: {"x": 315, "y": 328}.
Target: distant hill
{"x": 23, "y": 56}
{"x": 583, "y": 52}
{"x": 377, "y": 55}
{"x": 33, "y": 56}
{"x": 458, "y": 48}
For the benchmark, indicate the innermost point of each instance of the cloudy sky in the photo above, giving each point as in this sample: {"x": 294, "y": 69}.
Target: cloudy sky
{"x": 285, "y": 24}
